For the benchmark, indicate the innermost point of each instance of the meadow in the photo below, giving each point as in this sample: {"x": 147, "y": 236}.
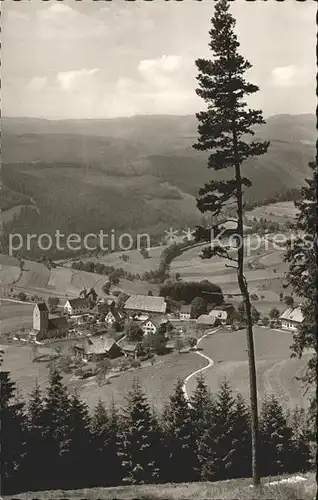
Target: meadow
{"x": 280, "y": 212}
{"x": 302, "y": 486}
{"x": 158, "y": 380}
{"x": 276, "y": 371}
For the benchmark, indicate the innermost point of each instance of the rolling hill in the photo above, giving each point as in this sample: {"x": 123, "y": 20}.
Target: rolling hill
{"x": 131, "y": 174}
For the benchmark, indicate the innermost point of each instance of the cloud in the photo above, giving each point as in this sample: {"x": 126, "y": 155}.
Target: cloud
{"x": 75, "y": 80}
{"x": 37, "y": 83}
{"x": 159, "y": 71}
{"x": 290, "y": 76}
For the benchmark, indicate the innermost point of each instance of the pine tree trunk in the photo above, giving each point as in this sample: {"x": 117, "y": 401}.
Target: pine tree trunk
{"x": 249, "y": 329}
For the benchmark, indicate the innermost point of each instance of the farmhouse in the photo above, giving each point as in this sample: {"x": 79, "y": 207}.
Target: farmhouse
{"x": 131, "y": 348}
{"x": 45, "y": 326}
{"x": 77, "y": 306}
{"x": 220, "y": 315}
{"x": 146, "y": 304}
{"x": 292, "y": 318}
{"x": 151, "y": 325}
{"x": 185, "y": 312}
{"x": 98, "y": 348}
{"x": 113, "y": 317}
{"x": 206, "y": 319}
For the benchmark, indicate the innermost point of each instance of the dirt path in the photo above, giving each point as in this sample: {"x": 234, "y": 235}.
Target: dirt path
{"x": 200, "y": 370}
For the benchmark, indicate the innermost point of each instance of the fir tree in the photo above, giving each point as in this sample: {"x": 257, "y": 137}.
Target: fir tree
{"x": 222, "y": 129}
{"x": 241, "y": 459}
{"x": 276, "y": 439}
{"x": 56, "y": 416}
{"x": 217, "y": 446}
{"x": 80, "y": 464}
{"x": 137, "y": 444}
{"x": 36, "y": 450}
{"x": 180, "y": 438}
{"x": 201, "y": 407}
{"x": 105, "y": 434}
{"x": 302, "y": 440}
{"x": 12, "y": 437}
{"x": 301, "y": 254}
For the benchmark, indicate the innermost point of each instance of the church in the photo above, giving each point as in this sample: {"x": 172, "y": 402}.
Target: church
{"x": 46, "y": 326}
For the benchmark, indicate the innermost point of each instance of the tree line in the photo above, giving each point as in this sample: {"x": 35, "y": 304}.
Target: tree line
{"x": 54, "y": 442}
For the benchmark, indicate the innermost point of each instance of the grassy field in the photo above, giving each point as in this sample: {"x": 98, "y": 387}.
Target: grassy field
{"x": 136, "y": 263}
{"x": 277, "y": 212}
{"x": 65, "y": 282}
{"x": 276, "y": 371}
{"x": 14, "y": 316}
{"x": 158, "y": 380}
{"x": 302, "y": 486}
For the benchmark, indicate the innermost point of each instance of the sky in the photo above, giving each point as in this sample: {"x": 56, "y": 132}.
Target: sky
{"x": 103, "y": 59}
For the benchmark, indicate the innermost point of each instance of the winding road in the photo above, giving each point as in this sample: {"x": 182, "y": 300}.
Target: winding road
{"x": 196, "y": 372}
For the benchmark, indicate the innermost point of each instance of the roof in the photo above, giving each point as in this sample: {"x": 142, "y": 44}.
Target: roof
{"x": 171, "y": 344}
{"x": 98, "y": 345}
{"x": 58, "y": 322}
{"x": 156, "y": 320}
{"x": 129, "y": 345}
{"x": 205, "y": 319}
{"x": 78, "y": 302}
{"x": 224, "y": 307}
{"x": 185, "y": 309}
{"x": 141, "y": 317}
{"x": 42, "y": 306}
{"x": 146, "y": 303}
{"x": 293, "y": 314}
{"x": 218, "y": 313}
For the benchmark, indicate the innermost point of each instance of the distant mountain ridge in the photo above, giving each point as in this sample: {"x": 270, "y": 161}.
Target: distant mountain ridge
{"x": 133, "y": 173}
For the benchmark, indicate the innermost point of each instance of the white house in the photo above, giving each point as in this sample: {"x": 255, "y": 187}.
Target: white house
{"x": 292, "y": 318}
{"x": 77, "y": 306}
{"x": 151, "y": 325}
{"x": 219, "y": 314}
{"x": 113, "y": 316}
{"x": 185, "y": 312}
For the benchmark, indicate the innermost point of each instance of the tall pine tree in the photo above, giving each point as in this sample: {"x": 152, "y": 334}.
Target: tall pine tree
{"x": 223, "y": 129}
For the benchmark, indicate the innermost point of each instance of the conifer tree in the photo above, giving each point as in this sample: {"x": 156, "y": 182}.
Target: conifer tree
{"x": 217, "y": 446}
{"x": 302, "y": 440}
{"x": 36, "y": 466}
{"x": 99, "y": 431}
{"x": 80, "y": 466}
{"x": 201, "y": 403}
{"x": 180, "y": 438}
{"x": 12, "y": 437}
{"x": 223, "y": 129}
{"x": 137, "y": 443}
{"x": 241, "y": 459}
{"x": 276, "y": 438}
{"x": 105, "y": 430}
{"x": 56, "y": 430}
{"x": 114, "y": 427}
{"x": 301, "y": 254}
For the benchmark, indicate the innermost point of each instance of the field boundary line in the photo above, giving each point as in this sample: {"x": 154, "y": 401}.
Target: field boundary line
{"x": 196, "y": 372}
{"x": 17, "y": 301}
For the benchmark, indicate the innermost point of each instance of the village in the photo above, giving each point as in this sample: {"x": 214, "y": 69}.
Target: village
{"x": 129, "y": 330}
